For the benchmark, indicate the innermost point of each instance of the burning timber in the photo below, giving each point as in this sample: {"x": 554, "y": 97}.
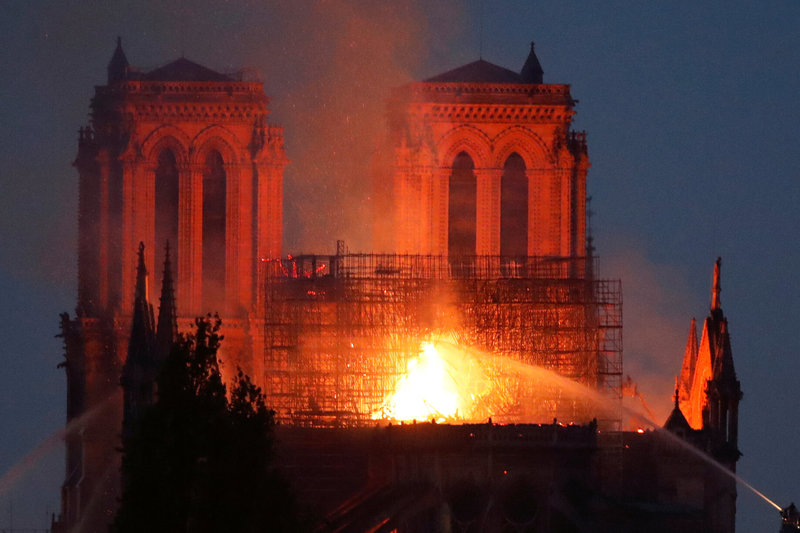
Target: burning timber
{"x": 343, "y": 332}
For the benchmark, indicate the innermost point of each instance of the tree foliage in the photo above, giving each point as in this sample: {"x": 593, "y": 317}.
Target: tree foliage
{"x": 199, "y": 460}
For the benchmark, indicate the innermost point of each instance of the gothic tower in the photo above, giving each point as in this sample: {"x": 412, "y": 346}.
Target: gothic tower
{"x": 709, "y": 391}
{"x": 708, "y": 394}
{"x": 180, "y": 154}
{"x": 484, "y": 163}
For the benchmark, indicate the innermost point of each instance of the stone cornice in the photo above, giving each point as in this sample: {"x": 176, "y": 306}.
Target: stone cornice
{"x": 491, "y": 113}
{"x": 188, "y": 88}
{"x": 154, "y": 110}
{"x": 511, "y": 93}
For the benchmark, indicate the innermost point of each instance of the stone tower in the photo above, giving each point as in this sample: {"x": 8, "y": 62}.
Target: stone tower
{"x": 180, "y": 154}
{"x": 484, "y": 163}
{"x": 707, "y": 395}
{"x": 708, "y": 390}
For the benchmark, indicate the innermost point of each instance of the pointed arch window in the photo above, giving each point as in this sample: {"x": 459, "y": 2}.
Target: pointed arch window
{"x": 166, "y": 207}
{"x": 461, "y": 221}
{"x": 514, "y": 209}
{"x": 214, "y": 212}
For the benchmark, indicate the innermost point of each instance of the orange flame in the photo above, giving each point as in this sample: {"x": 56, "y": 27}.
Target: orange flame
{"x": 436, "y": 386}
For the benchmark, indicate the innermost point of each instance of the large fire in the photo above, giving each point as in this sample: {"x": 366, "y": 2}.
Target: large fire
{"x": 440, "y": 384}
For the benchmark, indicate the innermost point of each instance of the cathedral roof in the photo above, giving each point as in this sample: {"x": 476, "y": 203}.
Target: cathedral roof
{"x": 478, "y": 72}
{"x": 184, "y": 70}
{"x": 484, "y": 72}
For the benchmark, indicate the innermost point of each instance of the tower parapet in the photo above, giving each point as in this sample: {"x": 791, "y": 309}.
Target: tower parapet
{"x": 485, "y": 163}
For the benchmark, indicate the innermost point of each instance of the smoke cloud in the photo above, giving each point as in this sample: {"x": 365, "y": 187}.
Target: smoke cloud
{"x": 344, "y": 58}
{"x": 657, "y": 309}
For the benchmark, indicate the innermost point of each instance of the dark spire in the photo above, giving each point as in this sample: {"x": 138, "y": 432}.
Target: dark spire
{"x": 139, "y": 370}
{"x": 723, "y": 362}
{"x": 689, "y": 360}
{"x": 676, "y": 422}
{"x": 676, "y": 396}
{"x": 717, "y": 287}
{"x": 532, "y": 70}
{"x": 167, "y": 330}
{"x": 118, "y": 66}
{"x": 142, "y": 329}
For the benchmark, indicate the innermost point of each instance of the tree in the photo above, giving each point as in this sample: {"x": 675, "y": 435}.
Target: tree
{"x": 198, "y": 460}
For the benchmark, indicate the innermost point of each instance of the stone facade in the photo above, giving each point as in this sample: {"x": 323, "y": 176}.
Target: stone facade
{"x": 506, "y": 135}
{"x": 185, "y": 155}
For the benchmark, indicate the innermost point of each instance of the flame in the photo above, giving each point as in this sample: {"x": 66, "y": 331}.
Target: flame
{"x": 433, "y": 388}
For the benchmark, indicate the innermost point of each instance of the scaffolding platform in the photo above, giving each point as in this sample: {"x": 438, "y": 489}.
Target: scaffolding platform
{"x": 340, "y": 330}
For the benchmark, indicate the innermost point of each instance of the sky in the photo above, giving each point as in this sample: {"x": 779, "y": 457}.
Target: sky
{"x": 689, "y": 109}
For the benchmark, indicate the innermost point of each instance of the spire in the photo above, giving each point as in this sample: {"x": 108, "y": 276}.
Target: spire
{"x": 532, "y": 71}
{"x": 118, "y": 66}
{"x": 676, "y": 422}
{"x": 716, "y": 288}
{"x": 723, "y": 362}
{"x": 675, "y": 396}
{"x": 689, "y": 361}
{"x": 167, "y": 330}
{"x": 142, "y": 331}
{"x": 138, "y": 371}
{"x": 141, "y": 277}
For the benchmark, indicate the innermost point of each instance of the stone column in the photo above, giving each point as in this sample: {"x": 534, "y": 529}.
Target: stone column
{"x": 128, "y": 244}
{"x": 565, "y": 210}
{"x": 441, "y": 182}
{"x": 190, "y": 238}
{"x": 541, "y": 226}
{"x": 103, "y": 230}
{"x": 483, "y": 215}
{"x": 426, "y": 220}
{"x": 233, "y": 217}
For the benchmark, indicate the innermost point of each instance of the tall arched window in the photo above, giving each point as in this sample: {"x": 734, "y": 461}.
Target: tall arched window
{"x": 463, "y": 189}
{"x": 514, "y": 208}
{"x": 166, "y": 210}
{"x": 213, "y": 233}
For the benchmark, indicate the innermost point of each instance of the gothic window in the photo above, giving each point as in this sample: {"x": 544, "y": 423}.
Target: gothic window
{"x": 166, "y": 210}
{"x": 213, "y": 233}
{"x": 514, "y": 208}
{"x": 461, "y": 222}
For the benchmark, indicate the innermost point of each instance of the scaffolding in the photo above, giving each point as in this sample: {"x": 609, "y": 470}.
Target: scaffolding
{"x": 341, "y": 329}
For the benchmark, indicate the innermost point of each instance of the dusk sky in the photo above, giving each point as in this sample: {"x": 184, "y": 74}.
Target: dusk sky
{"x": 690, "y": 110}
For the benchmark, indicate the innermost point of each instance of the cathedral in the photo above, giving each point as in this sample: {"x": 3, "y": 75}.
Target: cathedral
{"x": 484, "y": 218}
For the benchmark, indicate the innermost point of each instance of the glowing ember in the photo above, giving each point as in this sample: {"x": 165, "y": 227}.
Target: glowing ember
{"x": 429, "y": 390}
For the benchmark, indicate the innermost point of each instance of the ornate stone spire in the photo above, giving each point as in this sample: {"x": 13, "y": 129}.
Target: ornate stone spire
{"x": 675, "y": 396}
{"x": 723, "y": 362}
{"x": 167, "y": 329}
{"x": 532, "y": 70}
{"x": 118, "y": 66}
{"x": 689, "y": 362}
{"x": 142, "y": 310}
{"x": 139, "y": 369}
{"x": 716, "y": 288}
{"x": 676, "y": 422}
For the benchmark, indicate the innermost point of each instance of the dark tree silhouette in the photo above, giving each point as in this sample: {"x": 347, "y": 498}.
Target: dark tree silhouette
{"x": 197, "y": 460}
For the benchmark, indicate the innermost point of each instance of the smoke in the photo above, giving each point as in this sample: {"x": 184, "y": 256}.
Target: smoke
{"x": 344, "y": 58}
{"x": 657, "y": 309}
